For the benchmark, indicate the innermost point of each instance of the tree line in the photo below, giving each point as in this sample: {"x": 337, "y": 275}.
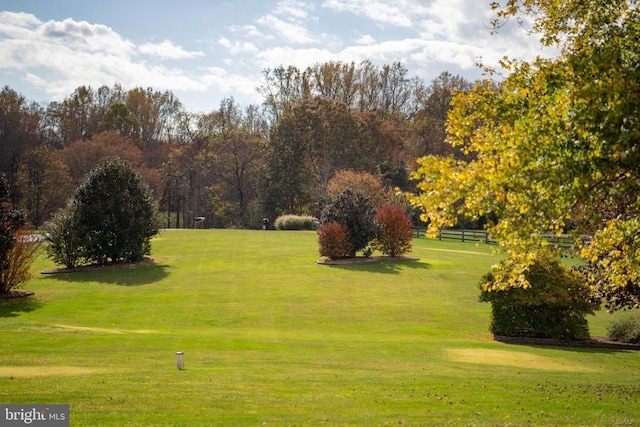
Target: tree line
{"x": 236, "y": 164}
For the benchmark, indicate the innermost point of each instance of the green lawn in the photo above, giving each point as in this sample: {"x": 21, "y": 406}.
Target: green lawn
{"x": 272, "y": 338}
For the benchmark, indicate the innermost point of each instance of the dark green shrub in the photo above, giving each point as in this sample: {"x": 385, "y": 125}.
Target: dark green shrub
{"x": 554, "y": 306}
{"x": 354, "y": 210}
{"x": 111, "y": 218}
{"x": 65, "y": 244}
{"x": 296, "y": 222}
{"x": 334, "y": 240}
{"x": 116, "y": 214}
{"x": 626, "y": 329}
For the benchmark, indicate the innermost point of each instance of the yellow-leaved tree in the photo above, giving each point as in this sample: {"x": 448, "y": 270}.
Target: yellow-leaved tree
{"x": 555, "y": 147}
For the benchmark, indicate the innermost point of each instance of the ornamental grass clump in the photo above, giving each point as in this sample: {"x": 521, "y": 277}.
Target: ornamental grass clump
{"x": 296, "y": 222}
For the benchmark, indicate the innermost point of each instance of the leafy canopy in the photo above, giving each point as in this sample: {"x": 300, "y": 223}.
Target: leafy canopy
{"x": 555, "y": 135}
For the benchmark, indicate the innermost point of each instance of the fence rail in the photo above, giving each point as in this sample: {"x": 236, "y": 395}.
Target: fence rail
{"x": 466, "y": 236}
{"x": 457, "y": 234}
{"x": 563, "y": 241}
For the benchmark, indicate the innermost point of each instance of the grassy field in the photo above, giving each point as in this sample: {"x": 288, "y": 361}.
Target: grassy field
{"x": 272, "y": 338}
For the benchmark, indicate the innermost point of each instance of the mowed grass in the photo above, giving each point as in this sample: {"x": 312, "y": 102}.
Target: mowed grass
{"x": 272, "y": 338}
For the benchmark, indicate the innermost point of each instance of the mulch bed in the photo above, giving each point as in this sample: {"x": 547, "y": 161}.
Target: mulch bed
{"x": 364, "y": 260}
{"x": 594, "y": 342}
{"x": 16, "y": 294}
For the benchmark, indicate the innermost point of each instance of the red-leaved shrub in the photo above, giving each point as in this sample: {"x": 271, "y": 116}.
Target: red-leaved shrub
{"x": 394, "y": 234}
{"x": 334, "y": 240}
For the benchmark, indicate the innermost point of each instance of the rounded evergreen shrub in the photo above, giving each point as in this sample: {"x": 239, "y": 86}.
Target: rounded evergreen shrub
{"x": 116, "y": 214}
{"x": 554, "y": 306}
{"x": 111, "y": 218}
{"x": 296, "y": 222}
{"x": 626, "y": 329}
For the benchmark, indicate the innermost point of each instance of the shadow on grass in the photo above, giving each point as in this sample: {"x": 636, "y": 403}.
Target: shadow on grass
{"x": 598, "y": 345}
{"x": 384, "y": 267}
{"x": 136, "y": 275}
{"x": 14, "y": 307}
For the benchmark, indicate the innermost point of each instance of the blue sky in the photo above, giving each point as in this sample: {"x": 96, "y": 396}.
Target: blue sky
{"x": 204, "y": 51}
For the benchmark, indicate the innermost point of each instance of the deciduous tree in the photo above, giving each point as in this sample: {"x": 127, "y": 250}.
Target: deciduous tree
{"x": 119, "y": 118}
{"x": 239, "y": 146}
{"x": 557, "y": 133}
{"x": 156, "y": 113}
{"x": 428, "y": 125}
{"x": 45, "y": 183}
{"x": 19, "y": 131}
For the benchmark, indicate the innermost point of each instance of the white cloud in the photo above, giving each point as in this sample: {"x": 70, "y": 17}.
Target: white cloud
{"x": 242, "y": 87}
{"x": 14, "y": 24}
{"x": 289, "y": 20}
{"x": 294, "y": 9}
{"x": 59, "y": 56}
{"x": 35, "y": 80}
{"x": 293, "y": 32}
{"x": 285, "y": 55}
{"x": 413, "y": 52}
{"x": 85, "y": 37}
{"x": 167, "y": 50}
{"x": 236, "y": 47}
{"x": 365, "y": 40}
{"x": 400, "y": 13}
{"x": 467, "y": 23}
{"x": 250, "y": 31}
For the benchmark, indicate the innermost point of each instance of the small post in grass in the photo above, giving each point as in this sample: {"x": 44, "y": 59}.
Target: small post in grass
{"x": 180, "y": 359}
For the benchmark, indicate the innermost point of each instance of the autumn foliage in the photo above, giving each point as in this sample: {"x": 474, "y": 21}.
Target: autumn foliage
{"x": 369, "y": 184}
{"x": 16, "y": 253}
{"x": 354, "y": 210}
{"x": 394, "y": 234}
{"x": 19, "y": 260}
{"x": 334, "y": 240}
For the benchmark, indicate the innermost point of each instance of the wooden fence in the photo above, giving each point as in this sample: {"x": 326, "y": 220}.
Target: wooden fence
{"x": 563, "y": 241}
{"x": 457, "y": 234}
